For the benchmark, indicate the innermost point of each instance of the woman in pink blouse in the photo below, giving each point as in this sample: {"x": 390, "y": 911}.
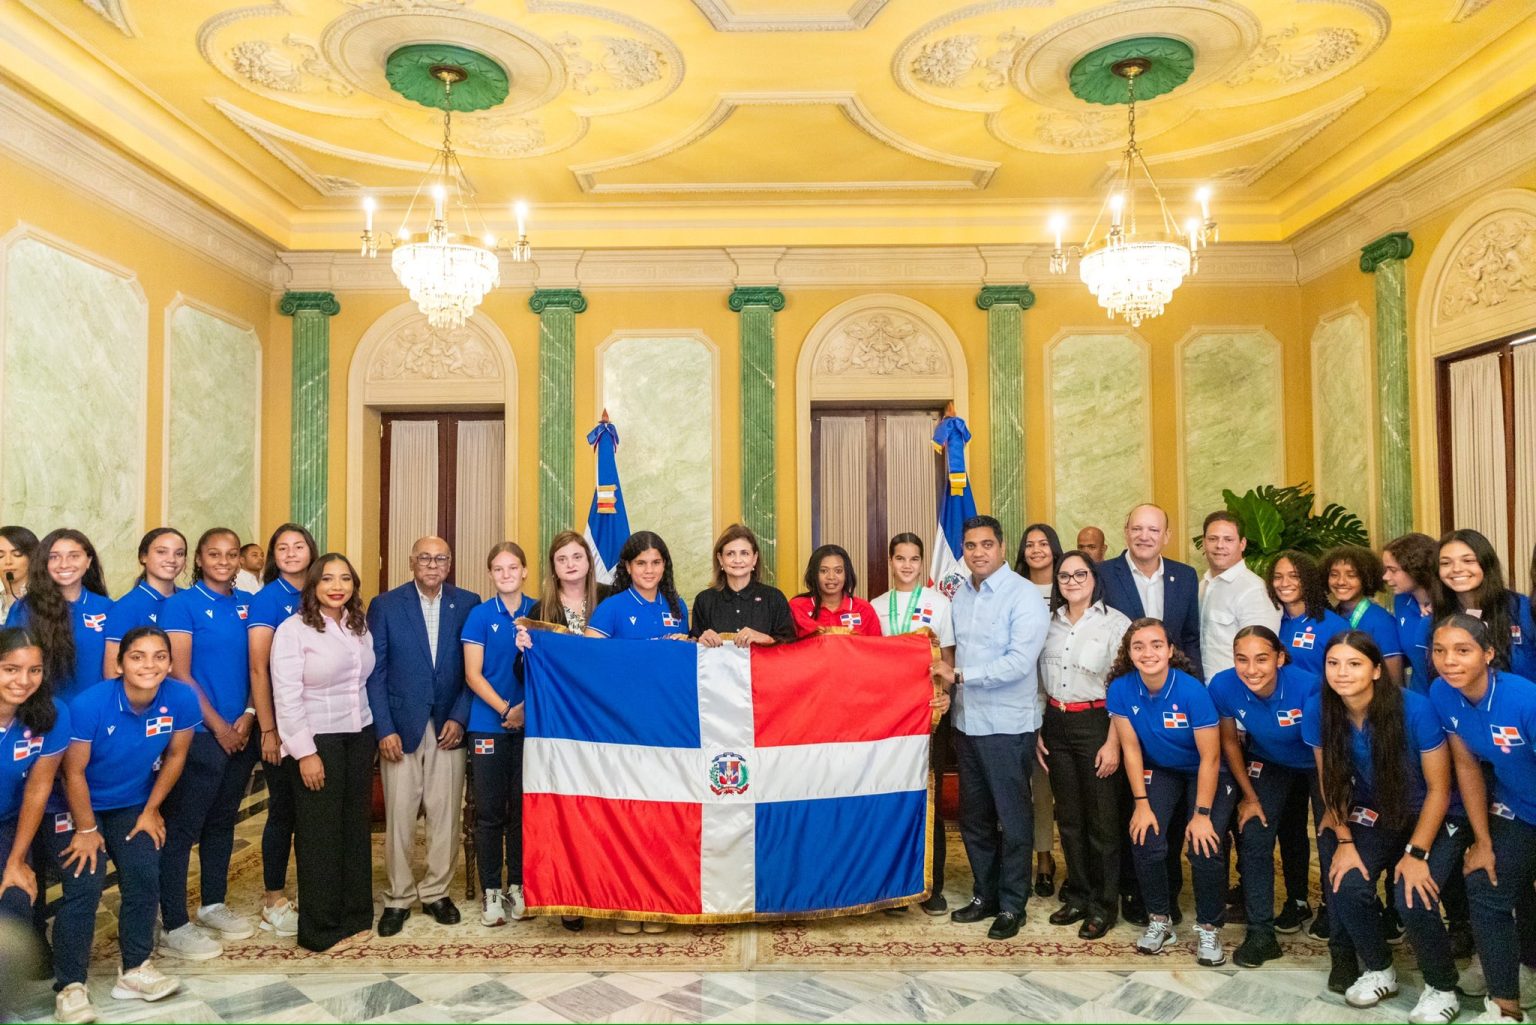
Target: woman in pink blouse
{"x": 321, "y": 659}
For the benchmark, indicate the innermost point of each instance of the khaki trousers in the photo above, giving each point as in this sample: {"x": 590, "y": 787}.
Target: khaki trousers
{"x": 431, "y": 780}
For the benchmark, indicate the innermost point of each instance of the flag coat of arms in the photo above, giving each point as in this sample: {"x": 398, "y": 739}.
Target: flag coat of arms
{"x": 607, "y": 520}
{"x": 670, "y": 782}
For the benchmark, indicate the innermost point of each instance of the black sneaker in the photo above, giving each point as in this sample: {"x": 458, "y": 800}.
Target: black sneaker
{"x": 1392, "y": 926}
{"x": 1258, "y": 947}
{"x": 1293, "y": 916}
{"x": 935, "y": 905}
{"x": 1344, "y": 972}
{"x": 1318, "y": 927}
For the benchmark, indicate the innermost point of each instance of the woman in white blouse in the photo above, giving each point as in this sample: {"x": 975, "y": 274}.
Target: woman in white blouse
{"x": 1079, "y": 749}
{"x": 321, "y": 659}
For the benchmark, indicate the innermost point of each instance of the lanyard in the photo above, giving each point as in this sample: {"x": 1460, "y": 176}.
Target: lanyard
{"x": 1358, "y": 613}
{"x": 904, "y": 625}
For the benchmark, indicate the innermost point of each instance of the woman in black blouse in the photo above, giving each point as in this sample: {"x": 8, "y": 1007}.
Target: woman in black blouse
{"x": 738, "y": 603}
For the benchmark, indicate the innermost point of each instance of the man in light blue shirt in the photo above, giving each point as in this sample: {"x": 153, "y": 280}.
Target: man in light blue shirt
{"x": 1000, "y": 625}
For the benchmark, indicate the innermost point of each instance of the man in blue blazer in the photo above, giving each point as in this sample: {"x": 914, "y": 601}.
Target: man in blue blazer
{"x": 1140, "y": 582}
{"x": 420, "y": 705}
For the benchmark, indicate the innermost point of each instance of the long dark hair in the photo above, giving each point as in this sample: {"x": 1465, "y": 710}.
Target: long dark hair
{"x": 1389, "y": 741}
{"x": 37, "y": 712}
{"x": 1491, "y": 598}
{"x": 643, "y": 541}
{"x": 813, "y": 590}
{"x": 21, "y": 539}
{"x": 197, "y": 553}
{"x": 352, "y": 616}
{"x": 736, "y": 532}
{"x": 1020, "y": 566}
{"x": 269, "y": 570}
{"x": 1314, "y": 585}
{"x": 47, "y": 609}
{"x": 1123, "y": 664}
{"x": 1057, "y": 598}
{"x": 149, "y": 539}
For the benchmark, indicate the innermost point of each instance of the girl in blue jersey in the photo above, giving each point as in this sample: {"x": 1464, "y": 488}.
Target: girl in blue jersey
{"x": 1171, "y": 749}
{"x": 495, "y": 733}
{"x": 1353, "y": 575}
{"x": 1261, "y": 702}
{"x": 66, "y": 610}
{"x": 34, "y": 733}
{"x": 644, "y": 604}
{"x": 1490, "y": 716}
{"x": 17, "y": 547}
{"x": 290, "y": 550}
{"x": 1471, "y": 580}
{"x": 1384, "y": 771}
{"x": 1409, "y": 565}
{"x": 206, "y": 623}
{"x": 162, "y": 558}
{"x": 1307, "y": 623}
{"x": 129, "y": 741}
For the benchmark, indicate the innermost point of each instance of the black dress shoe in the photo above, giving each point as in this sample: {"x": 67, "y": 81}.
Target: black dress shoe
{"x": 935, "y": 905}
{"x": 1045, "y": 884}
{"x": 1067, "y": 914}
{"x": 973, "y": 912}
{"x": 1094, "y": 928}
{"x": 1006, "y": 927}
{"x": 573, "y": 923}
{"x": 443, "y": 911}
{"x": 1133, "y": 910}
{"x": 391, "y": 921}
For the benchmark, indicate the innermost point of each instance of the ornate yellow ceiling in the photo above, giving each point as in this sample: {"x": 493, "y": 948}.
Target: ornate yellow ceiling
{"x": 709, "y": 122}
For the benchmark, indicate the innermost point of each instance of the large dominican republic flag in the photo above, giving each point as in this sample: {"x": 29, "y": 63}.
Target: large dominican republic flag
{"x": 956, "y": 505}
{"x": 607, "y": 522}
{"x": 671, "y": 782}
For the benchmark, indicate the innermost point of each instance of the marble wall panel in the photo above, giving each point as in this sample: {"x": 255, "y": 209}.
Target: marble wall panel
{"x": 72, "y": 428}
{"x": 660, "y": 393}
{"x": 1100, "y": 441}
{"x": 215, "y": 399}
{"x": 1231, "y": 393}
{"x": 1343, "y": 429}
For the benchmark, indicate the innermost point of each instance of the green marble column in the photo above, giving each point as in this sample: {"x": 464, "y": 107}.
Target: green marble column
{"x": 309, "y": 444}
{"x": 757, "y": 305}
{"x": 1005, "y": 306}
{"x": 557, "y": 309}
{"x": 1384, "y": 258}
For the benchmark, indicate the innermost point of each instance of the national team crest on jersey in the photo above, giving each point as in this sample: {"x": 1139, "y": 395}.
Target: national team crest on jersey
{"x": 1502, "y": 810}
{"x": 94, "y": 620}
{"x": 1362, "y": 816}
{"x": 485, "y": 746}
{"x": 668, "y": 619}
{"x": 25, "y": 748}
{"x": 1514, "y": 634}
{"x": 851, "y": 619}
{"x": 1255, "y": 770}
{"x": 1506, "y": 737}
{"x": 1146, "y": 777}
{"x": 1288, "y": 716}
{"x": 243, "y": 611}
{"x": 159, "y": 724}
{"x": 922, "y": 617}
{"x": 1175, "y": 721}
{"x": 728, "y": 774}
{"x": 1306, "y": 640}
{"x": 63, "y": 822}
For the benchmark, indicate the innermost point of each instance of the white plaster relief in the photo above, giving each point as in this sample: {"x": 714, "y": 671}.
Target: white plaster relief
{"x": 420, "y": 352}
{"x": 1493, "y": 264}
{"x": 882, "y": 344}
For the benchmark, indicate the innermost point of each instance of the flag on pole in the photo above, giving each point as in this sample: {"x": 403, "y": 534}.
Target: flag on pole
{"x": 672, "y": 782}
{"x": 956, "y": 505}
{"x": 607, "y": 522}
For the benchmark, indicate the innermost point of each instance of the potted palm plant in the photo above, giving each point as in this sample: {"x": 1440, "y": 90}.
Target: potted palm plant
{"x": 1277, "y": 519}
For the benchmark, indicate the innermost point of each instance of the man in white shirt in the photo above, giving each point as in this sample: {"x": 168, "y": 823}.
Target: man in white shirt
{"x": 1231, "y": 595}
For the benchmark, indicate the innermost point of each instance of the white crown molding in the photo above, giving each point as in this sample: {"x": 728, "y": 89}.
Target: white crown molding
{"x": 66, "y": 153}
{"x": 723, "y": 17}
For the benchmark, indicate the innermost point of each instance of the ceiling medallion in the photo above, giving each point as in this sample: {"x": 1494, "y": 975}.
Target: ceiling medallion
{"x": 1133, "y": 271}
{"x": 447, "y": 273}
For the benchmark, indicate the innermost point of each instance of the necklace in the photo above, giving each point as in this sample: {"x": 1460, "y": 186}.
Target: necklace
{"x": 904, "y": 624}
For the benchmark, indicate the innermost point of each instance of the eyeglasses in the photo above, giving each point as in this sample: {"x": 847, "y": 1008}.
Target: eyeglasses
{"x": 1075, "y": 577}
{"x": 433, "y": 560}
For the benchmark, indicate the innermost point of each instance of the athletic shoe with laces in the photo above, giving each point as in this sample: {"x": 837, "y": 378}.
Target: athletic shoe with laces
{"x": 1475, "y": 984}
{"x": 1293, "y": 916}
{"x": 190, "y": 943}
{"x": 1435, "y": 1007}
{"x": 224, "y": 923}
{"x": 1372, "y": 988}
{"x": 72, "y": 1004}
{"x": 146, "y": 982}
{"x": 493, "y": 909}
{"x": 282, "y": 919}
{"x": 1208, "y": 950}
{"x": 1159, "y": 934}
{"x": 517, "y": 908}
{"x": 1492, "y": 1014}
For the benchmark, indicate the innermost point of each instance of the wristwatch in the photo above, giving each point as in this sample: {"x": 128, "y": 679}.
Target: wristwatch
{"x": 959, "y": 677}
{"x": 1203, "y": 810}
{"x": 1416, "y": 852}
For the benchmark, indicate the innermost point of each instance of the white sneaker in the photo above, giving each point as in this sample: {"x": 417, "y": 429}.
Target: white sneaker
{"x": 493, "y": 909}
{"x": 282, "y": 919}
{"x": 190, "y": 944}
{"x": 146, "y": 982}
{"x": 517, "y": 908}
{"x": 1209, "y": 951}
{"x": 1435, "y": 1007}
{"x": 1372, "y": 988}
{"x": 73, "y": 1004}
{"x": 225, "y": 923}
{"x": 1475, "y": 984}
{"x": 626, "y": 927}
{"x": 1159, "y": 934}
{"x": 1492, "y": 1015}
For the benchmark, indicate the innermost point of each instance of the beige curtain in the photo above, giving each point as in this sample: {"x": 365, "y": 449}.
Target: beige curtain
{"x": 911, "y": 495}
{"x": 412, "y": 492}
{"x": 1477, "y": 449}
{"x": 480, "y": 520}
{"x": 1525, "y": 463}
{"x": 844, "y": 501}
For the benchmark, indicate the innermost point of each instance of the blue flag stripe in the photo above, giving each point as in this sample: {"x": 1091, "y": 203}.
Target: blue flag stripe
{"x": 613, "y": 691}
{"x": 864, "y": 849}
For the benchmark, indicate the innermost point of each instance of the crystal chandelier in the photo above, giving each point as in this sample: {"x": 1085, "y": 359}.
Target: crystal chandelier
{"x": 1134, "y": 272}
{"x": 447, "y": 273}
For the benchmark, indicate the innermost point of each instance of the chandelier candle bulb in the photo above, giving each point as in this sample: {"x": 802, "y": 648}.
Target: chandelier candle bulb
{"x": 1204, "y": 196}
{"x": 520, "y": 211}
{"x": 369, "y": 206}
{"x": 1116, "y": 207}
{"x": 438, "y": 195}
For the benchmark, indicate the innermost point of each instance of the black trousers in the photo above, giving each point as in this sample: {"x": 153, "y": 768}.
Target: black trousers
{"x": 277, "y": 834}
{"x": 1087, "y": 808}
{"x": 937, "y": 748}
{"x": 997, "y": 815}
{"x": 331, "y": 840}
{"x": 496, "y": 773}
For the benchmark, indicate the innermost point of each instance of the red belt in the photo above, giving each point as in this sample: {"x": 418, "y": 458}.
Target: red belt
{"x": 1074, "y": 706}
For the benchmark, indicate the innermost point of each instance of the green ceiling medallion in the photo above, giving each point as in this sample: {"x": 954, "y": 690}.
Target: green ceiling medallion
{"x": 417, "y": 71}
{"x": 1165, "y": 64}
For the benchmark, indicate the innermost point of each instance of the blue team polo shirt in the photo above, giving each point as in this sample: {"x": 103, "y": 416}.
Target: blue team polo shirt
{"x": 273, "y": 604}
{"x": 1420, "y": 724}
{"x": 1382, "y": 627}
{"x": 1501, "y": 731}
{"x": 88, "y": 617}
{"x": 126, "y": 746}
{"x": 1305, "y": 639}
{"x": 1522, "y": 637}
{"x": 1272, "y": 724}
{"x": 141, "y": 606}
{"x": 221, "y": 662}
{"x": 1165, "y": 722}
{"x": 20, "y": 750}
{"x": 491, "y": 625}
{"x": 630, "y": 617}
{"x": 1414, "y": 629}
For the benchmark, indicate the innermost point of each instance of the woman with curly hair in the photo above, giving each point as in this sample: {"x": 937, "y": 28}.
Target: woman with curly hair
{"x": 1170, "y": 746}
{"x": 1307, "y": 624}
{"x": 1408, "y": 566}
{"x": 644, "y": 604}
{"x": 1353, "y": 574}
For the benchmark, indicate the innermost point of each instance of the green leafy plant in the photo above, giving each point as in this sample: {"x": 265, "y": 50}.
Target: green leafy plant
{"x": 1279, "y": 519}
